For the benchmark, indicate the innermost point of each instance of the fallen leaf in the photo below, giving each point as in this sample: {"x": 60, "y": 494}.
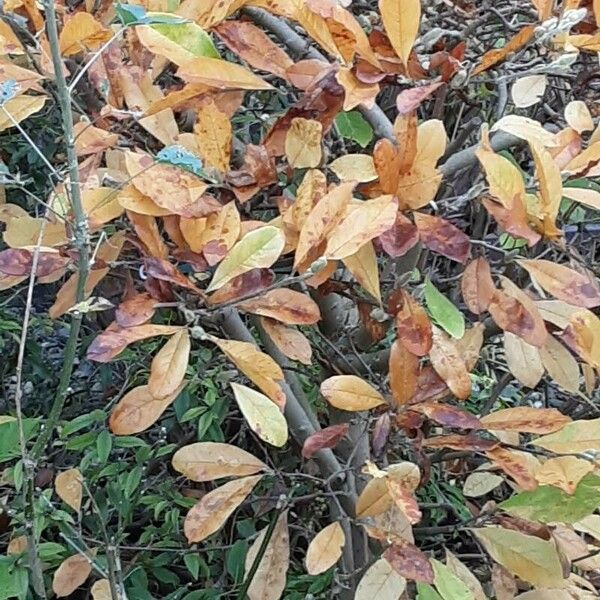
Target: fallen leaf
{"x": 101, "y": 590}
{"x": 325, "y": 549}
{"x": 349, "y": 392}
{"x": 357, "y": 92}
{"x": 329, "y": 437}
{"x": 81, "y": 33}
{"x": 400, "y": 238}
{"x": 303, "y": 143}
{"x": 210, "y": 513}
{"x": 269, "y": 580}
{"x": 564, "y": 472}
{"x": 18, "y": 261}
{"x": 69, "y": 488}
{"x": 531, "y": 559}
{"x": 259, "y": 248}
{"x": 220, "y": 74}
{"x": 168, "y": 367}
{"x": 524, "y": 128}
{"x": 578, "y": 436}
{"x": 496, "y": 55}
{"x": 354, "y": 167}
{"x": 139, "y": 409}
{"x": 71, "y": 573}
{"x": 207, "y": 461}
{"x": 529, "y": 90}
{"x": 577, "y": 116}
{"x": 19, "y": 108}
{"x": 526, "y": 419}
{"x": 479, "y": 483}
{"x": 136, "y": 310}
{"x": 263, "y": 416}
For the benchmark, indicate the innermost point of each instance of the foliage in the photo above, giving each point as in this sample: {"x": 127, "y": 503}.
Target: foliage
{"x": 302, "y": 351}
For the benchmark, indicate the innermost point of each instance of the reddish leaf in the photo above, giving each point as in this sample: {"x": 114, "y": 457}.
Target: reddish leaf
{"x": 375, "y": 329}
{"x": 381, "y": 432}
{"x": 135, "y": 310}
{"x": 325, "y": 438}
{"x": 400, "y": 238}
{"x": 404, "y": 373}
{"x": 461, "y": 442}
{"x": 477, "y": 285}
{"x": 18, "y": 261}
{"x": 513, "y": 220}
{"x": 413, "y": 326}
{"x": 404, "y": 500}
{"x": 441, "y": 236}
{"x": 430, "y": 386}
{"x": 515, "y": 465}
{"x": 409, "y": 100}
{"x": 448, "y": 415}
{"x": 409, "y": 561}
{"x": 287, "y": 306}
{"x": 448, "y": 363}
{"x": 244, "y": 285}
{"x": 510, "y": 315}
{"x": 165, "y": 271}
{"x": 115, "y": 339}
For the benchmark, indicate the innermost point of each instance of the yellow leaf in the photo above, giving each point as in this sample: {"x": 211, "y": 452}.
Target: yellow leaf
{"x": 9, "y": 42}
{"x": 578, "y": 436}
{"x": 577, "y": 116}
{"x": 354, "y": 167}
{"x": 207, "y": 461}
{"x": 481, "y": 482}
{"x": 290, "y": 342}
{"x": 584, "y": 160}
{"x": 82, "y": 32}
{"x": 523, "y": 360}
{"x": 365, "y": 222}
{"x": 213, "y": 509}
{"x": 139, "y": 409}
{"x": 101, "y": 205}
{"x": 169, "y": 365}
{"x": 259, "y": 248}
{"x": 526, "y": 129}
{"x": 364, "y": 268}
{"x": 548, "y": 174}
{"x": 259, "y": 367}
{"x": 220, "y": 74}
{"x": 269, "y": 580}
{"x": 349, "y": 392}
{"x": 590, "y": 198}
{"x": 401, "y": 19}
{"x": 560, "y": 364}
{"x": 504, "y": 179}
{"x": 70, "y": 574}
{"x": 262, "y": 415}
{"x": 101, "y": 590}
{"x": 564, "y": 472}
{"x": 69, "y": 488}
{"x": 375, "y": 498}
{"x": 19, "y": 108}
{"x": 25, "y": 231}
{"x": 130, "y": 198}
{"x": 303, "y": 143}
{"x": 380, "y": 582}
{"x": 213, "y": 134}
{"x": 325, "y": 549}
{"x": 356, "y": 92}
{"x": 530, "y": 558}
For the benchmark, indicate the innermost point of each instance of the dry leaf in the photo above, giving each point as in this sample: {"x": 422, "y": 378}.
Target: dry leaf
{"x": 354, "y": 167}
{"x": 69, "y": 488}
{"x": 325, "y": 549}
{"x": 328, "y": 437}
{"x": 529, "y": 90}
{"x": 449, "y": 365}
{"x": 101, "y": 590}
{"x": 289, "y": 341}
{"x": 560, "y": 364}
{"x": 82, "y": 32}
{"x": 303, "y": 143}
{"x": 70, "y": 574}
{"x": 213, "y": 134}
{"x": 523, "y": 360}
{"x": 364, "y": 268}
{"x": 288, "y": 306}
{"x": 578, "y": 116}
{"x": 578, "y": 436}
{"x": 404, "y": 373}
{"x": 401, "y": 21}
{"x": 564, "y": 472}
{"x": 169, "y": 365}
{"x": 526, "y": 419}
{"x": 349, "y": 392}
{"x": 381, "y": 582}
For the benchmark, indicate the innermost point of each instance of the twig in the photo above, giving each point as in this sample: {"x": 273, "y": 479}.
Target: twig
{"x": 80, "y": 230}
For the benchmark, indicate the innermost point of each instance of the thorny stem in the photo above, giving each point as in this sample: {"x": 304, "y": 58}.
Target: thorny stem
{"x": 80, "y": 230}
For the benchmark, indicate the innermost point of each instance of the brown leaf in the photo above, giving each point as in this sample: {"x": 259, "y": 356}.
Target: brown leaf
{"x": 430, "y": 386}
{"x": 526, "y": 419}
{"x": 165, "y": 271}
{"x": 139, "y": 409}
{"x": 136, "y": 310}
{"x": 493, "y": 57}
{"x": 560, "y": 364}
{"x": 246, "y": 284}
{"x": 413, "y": 326}
{"x": 169, "y": 365}
{"x": 400, "y": 238}
{"x": 253, "y": 46}
{"x": 285, "y": 305}
{"x": 410, "y": 99}
{"x": 404, "y": 373}
{"x": 523, "y": 360}
{"x": 477, "y": 285}
{"x": 329, "y": 437}
{"x": 289, "y": 341}
{"x": 449, "y": 365}
{"x": 461, "y": 442}
{"x": 441, "y": 236}
{"x": 18, "y": 261}
{"x": 115, "y": 339}
{"x": 69, "y": 488}
{"x": 211, "y": 512}
{"x": 448, "y": 415}
{"x": 409, "y": 561}
{"x": 581, "y": 289}
{"x": 71, "y": 573}
{"x": 515, "y": 465}
{"x": 513, "y": 220}
{"x": 146, "y": 228}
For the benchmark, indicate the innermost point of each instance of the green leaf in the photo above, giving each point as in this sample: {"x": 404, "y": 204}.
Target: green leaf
{"x": 448, "y": 584}
{"x": 192, "y": 562}
{"x": 190, "y": 36}
{"x": 445, "y": 314}
{"x": 427, "y": 592}
{"x": 132, "y": 14}
{"x": 235, "y": 561}
{"x": 353, "y": 126}
{"x": 549, "y": 504}
{"x": 13, "y": 579}
{"x": 103, "y": 446}
{"x": 9, "y": 437}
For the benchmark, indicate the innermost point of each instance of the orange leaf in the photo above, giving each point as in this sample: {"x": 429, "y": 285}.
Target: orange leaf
{"x": 526, "y": 420}
{"x": 493, "y": 57}
{"x": 287, "y": 306}
{"x": 515, "y": 465}
{"x": 71, "y": 573}
{"x": 404, "y": 373}
{"x": 449, "y": 365}
{"x": 413, "y": 326}
{"x": 213, "y": 135}
{"x": 477, "y": 285}
{"x": 289, "y": 341}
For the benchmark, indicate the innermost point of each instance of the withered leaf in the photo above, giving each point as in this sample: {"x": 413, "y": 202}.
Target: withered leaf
{"x": 477, "y": 285}
{"x": 413, "y": 326}
{"x": 439, "y": 235}
{"x": 410, "y": 562}
{"x": 328, "y": 437}
{"x": 285, "y": 305}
